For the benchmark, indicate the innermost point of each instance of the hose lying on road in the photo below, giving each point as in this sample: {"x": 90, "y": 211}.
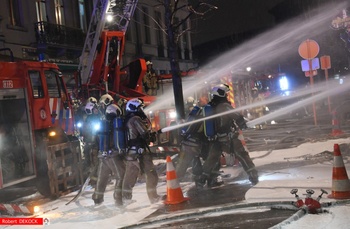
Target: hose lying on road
{"x": 300, "y": 212}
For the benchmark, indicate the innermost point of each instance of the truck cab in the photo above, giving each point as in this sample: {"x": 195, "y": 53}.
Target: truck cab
{"x": 35, "y": 120}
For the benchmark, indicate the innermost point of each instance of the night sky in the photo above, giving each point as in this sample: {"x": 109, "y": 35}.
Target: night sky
{"x": 233, "y": 16}
{"x": 238, "y": 20}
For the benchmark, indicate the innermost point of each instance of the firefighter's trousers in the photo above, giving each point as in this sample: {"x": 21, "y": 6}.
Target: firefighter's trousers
{"x": 229, "y": 144}
{"x": 109, "y": 166}
{"x": 189, "y": 156}
{"x": 143, "y": 164}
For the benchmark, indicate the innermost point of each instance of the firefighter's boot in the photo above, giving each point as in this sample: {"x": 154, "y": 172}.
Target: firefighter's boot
{"x": 253, "y": 176}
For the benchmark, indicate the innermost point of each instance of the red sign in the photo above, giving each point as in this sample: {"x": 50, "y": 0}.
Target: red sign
{"x": 313, "y": 73}
{"x": 308, "y": 49}
{"x": 325, "y": 62}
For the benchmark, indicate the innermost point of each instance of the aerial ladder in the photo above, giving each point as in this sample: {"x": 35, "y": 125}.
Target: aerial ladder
{"x": 100, "y": 62}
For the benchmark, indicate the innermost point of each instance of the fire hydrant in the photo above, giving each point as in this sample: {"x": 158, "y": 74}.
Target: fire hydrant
{"x": 299, "y": 203}
{"x": 311, "y": 205}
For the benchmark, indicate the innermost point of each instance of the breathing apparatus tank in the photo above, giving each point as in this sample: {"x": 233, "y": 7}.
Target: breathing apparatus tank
{"x": 114, "y": 115}
{"x": 103, "y": 135}
{"x": 209, "y": 124}
{"x": 119, "y": 135}
{"x": 193, "y": 115}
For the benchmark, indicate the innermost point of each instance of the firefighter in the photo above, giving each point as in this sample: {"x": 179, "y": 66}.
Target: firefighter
{"x": 104, "y": 101}
{"x": 150, "y": 80}
{"x": 138, "y": 157}
{"x": 193, "y": 145}
{"x": 189, "y": 105}
{"x": 90, "y": 128}
{"x": 226, "y": 137}
{"x": 111, "y": 163}
{"x": 257, "y": 111}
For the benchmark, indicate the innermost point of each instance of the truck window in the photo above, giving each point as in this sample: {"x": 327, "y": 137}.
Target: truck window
{"x": 37, "y": 85}
{"x": 52, "y": 84}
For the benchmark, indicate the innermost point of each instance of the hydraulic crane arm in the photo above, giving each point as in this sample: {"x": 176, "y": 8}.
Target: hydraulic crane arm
{"x": 121, "y": 11}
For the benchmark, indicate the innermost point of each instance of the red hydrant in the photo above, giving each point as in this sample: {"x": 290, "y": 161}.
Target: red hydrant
{"x": 311, "y": 205}
{"x": 299, "y": 202}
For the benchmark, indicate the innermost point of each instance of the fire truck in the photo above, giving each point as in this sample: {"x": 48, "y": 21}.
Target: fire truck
{"x": 36, "y": 129}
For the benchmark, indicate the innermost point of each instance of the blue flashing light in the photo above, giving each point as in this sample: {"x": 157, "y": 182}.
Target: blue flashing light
{"x": 284, "y": 85}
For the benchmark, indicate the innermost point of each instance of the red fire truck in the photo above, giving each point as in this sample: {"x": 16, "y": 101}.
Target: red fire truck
{"x": 36, "y": 129}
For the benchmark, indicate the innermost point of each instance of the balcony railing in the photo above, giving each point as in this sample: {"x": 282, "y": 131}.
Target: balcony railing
{"x": 48, "y": 33}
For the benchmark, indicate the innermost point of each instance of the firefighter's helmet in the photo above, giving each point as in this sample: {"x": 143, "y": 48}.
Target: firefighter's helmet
{"x": 89, "y": 107}
{"x": 134, "y": 105}
{"x": 92, "y": 100}
{"x": 106, "y": 99}
{"x": 220, "y": 90}
{"x": 190, "y": 100}
{"x": 149, "y": 63}
{"x": 113, "y": 111}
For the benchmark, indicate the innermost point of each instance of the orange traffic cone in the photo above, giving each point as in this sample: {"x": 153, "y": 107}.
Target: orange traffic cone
{"x": 335, "y": 125}
{"x": 340, "y": 182}
{"x": 174, "y": 192}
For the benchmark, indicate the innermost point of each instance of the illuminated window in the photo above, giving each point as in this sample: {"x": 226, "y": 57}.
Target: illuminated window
{"x": 82, "y": 16}
{"x": 59, "y": 12}
{"x": 41, "y": 10}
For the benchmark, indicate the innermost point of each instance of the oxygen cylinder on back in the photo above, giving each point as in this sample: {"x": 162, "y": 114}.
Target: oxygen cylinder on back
{"x": 190, "y": 129}
{"x": 104, "y": 136}
{"x": 119, "y": 134}
{"x": 209, "y": 124}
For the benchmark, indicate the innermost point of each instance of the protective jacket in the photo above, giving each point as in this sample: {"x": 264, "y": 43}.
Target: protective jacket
{"x": 139, "y": 158}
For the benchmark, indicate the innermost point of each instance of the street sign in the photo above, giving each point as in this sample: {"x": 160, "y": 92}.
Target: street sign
{"x": 305, "y": 65}
{"x": 309, "y": 49}
{"x": 313, "y": 73}
{"x": 325, "y": 62}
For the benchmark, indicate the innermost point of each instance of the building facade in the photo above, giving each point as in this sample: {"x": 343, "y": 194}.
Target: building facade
{"x": 55, "y": 30}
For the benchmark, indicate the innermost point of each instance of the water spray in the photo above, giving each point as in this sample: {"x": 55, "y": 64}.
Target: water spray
{"x": 321, "y": 95}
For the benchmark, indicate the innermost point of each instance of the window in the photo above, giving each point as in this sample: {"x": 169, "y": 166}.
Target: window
{"x": 41, "y": 10}
{"x": 15, "y": 12}
{"x": 146, "y": 25}
{"x": 37, "y": 85}
{"x": 52, "y": 84}
{"x": 82, "y": 16}
{"x": 59, "y": 12}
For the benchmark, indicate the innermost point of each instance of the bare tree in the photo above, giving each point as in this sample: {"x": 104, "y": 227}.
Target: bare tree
{"x": 174, "y": 30}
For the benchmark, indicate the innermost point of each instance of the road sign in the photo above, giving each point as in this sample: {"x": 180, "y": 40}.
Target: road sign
{"x": 325, "y": 62}
{"x": 313, "y": 73}
{"x": 305, "y": 65}
{"x": 309, "y": 49}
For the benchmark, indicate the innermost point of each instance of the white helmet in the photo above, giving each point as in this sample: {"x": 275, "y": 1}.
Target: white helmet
{"x": 113, "y": 111}
{"x": 149, "y": 62}
{"x": 190, "y": 99}
{"x": 92, "y": 100}
{"x": 133, "y": 105}
{"x": 89, "y": 108}
{"x": 106, "y": 99}
{"x": 220, "y": 90}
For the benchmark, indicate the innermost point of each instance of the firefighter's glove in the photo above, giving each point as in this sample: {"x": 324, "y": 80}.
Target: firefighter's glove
{"x": 159, "y": 131}
{"x": 241, "y": 123}
{"x": 153, "y": 136}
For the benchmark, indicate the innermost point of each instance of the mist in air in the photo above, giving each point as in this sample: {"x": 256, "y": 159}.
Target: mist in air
{"x": 282, "y": 40}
